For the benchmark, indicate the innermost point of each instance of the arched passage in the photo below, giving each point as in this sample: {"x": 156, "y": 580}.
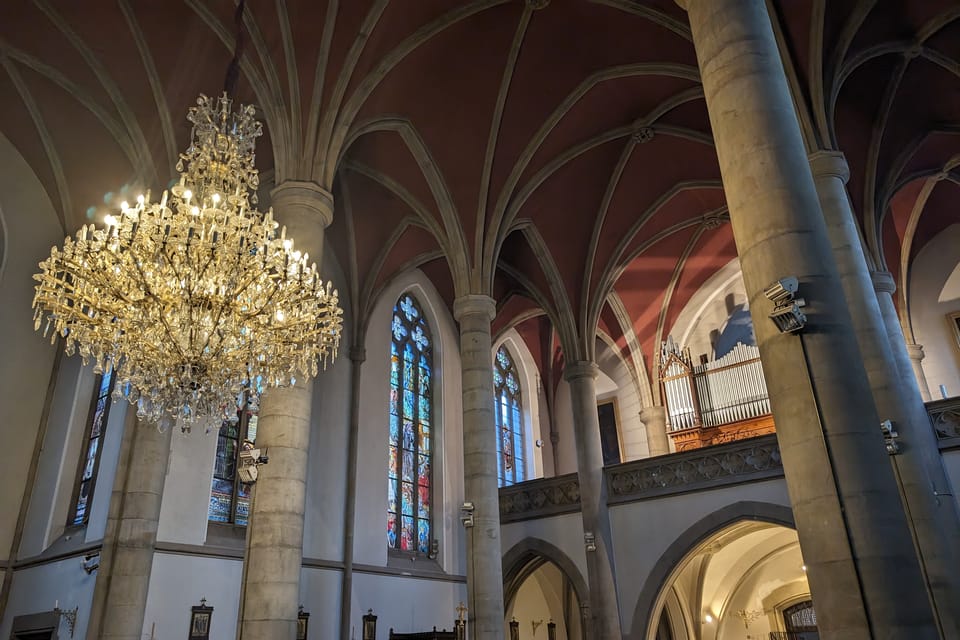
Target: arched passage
{"x": 730, "y": 575}
{"x": 542, "y": 584}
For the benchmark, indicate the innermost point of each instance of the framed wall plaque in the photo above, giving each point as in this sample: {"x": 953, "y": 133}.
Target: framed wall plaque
{"x": 200, "y": 621}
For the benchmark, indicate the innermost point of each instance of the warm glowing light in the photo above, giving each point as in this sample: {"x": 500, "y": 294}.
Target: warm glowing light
{"x": 192, "y": 308}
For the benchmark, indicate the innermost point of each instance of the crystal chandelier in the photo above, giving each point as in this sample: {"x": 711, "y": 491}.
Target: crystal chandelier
{"x": 196, "y": 298}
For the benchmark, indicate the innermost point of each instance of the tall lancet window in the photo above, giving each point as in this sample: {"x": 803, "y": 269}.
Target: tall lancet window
{"x": 96, "y": 424}
{"x": 509, "y": 418}
{"x": 409, "y": 492}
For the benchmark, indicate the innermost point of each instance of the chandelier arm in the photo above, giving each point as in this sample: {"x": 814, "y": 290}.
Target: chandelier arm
{"x": 156, "y": 299}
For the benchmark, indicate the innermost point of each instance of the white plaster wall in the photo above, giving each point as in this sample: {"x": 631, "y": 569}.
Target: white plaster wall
{"x": 327, "y": 462}
{"x": 566, "y": 449}
{"x": 632, "y": 431}
{"x": 406, "y": 604}
{"x": 928, "y": 314}
{"x": 178, "y": 582}
{"x": 530, "y": 395}
{"x": 37, "y": 590}
{"x": 320, "y": 597}
{"x": 186, "y": 490}
{"x": 31, "y": 228}
{"x": 707, "y": 310}
{"x": 653, "y": 525}
{"x": 370, "y": 541}
{"x": 59, "y": 460}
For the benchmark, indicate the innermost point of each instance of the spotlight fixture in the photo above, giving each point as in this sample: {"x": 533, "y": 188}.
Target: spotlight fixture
{"x": 589, "y": 542}
{"x": 786, "y": 312}
{"x": 890, "y": 436}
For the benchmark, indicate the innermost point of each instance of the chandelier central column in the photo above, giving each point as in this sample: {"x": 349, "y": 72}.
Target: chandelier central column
{"x": 274, "y": 554}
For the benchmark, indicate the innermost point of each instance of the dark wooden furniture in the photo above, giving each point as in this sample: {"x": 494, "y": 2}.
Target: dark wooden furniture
{"x": 424, "y": 635}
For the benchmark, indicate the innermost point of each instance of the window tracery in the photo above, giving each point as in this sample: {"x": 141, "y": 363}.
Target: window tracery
{"x": 511, "y": 465}
{"x": 410, "y": 474}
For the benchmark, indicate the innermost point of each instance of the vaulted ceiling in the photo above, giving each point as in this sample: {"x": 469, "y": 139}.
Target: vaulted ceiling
{"x": 554, "y": 154}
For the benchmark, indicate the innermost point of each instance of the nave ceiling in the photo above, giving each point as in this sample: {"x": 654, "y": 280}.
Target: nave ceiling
{"x": 556, "y": 155}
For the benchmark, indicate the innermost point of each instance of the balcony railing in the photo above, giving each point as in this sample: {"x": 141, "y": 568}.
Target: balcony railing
{"x": 746, "y": 460}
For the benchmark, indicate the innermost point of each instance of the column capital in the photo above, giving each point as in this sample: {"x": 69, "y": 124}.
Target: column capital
{"x": 358, "y": 354}
{"x": 883, "y": 281}
{"x": 580, "y": 369}
{"x": 829, "y": 164}
{"x": 915, "y": 351}
{"x": 682, "y": 4}
{"x": 474, "y": 304}
{"x": 307, "y": 197}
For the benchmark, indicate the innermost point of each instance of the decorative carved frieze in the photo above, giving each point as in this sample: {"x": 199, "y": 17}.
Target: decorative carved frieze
{"x": 945, "y": 418}
{"x": 540, "y": 498}
{"x": 741, "y": 461}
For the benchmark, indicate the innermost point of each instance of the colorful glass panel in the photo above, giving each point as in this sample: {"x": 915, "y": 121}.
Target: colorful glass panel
{"x": 91, "y": 460}
{"x": 409, "y": 470}
{"x": 509, "y": 420}
{"x": 230, "y": 498}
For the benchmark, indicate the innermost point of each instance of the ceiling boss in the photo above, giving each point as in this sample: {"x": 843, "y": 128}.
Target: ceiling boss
{"x": 198, "y": 297}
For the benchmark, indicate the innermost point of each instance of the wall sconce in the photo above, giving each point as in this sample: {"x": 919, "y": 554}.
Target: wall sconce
{"x": 514, "y": 629}
{"x": 91, "y": 562}
{"x": 551, "y": 630}
{"x": 786, "y": 312}
{"x": 200, "y": 621}
{"x": 303, "y": 620}
{"x": 466, "y": 514}
{"x": 69, "y": 614}
{"x": 890, "y": 436}
{"x": 369, "y": 626}
{"x": 589, "y": 542}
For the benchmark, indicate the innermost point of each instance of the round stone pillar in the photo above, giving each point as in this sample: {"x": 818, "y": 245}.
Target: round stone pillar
{"x": 474, "y": 313}
{"x": 271, "y": 589}
{"x": 605, "y": 623}
{"x": 655, "y": 421}
{"x": 918, "y": 467}
{"x": 862, "y": 567}
{"x": 131, "y": 559}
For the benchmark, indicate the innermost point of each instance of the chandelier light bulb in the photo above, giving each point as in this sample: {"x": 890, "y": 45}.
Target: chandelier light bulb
{"x": 192, "y": 306}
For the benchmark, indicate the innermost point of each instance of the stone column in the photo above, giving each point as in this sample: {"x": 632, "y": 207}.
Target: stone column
{"x": 274, "y": 554}
{"x": 919, "y": 468}
{"x": 357, "y": 357}
{"x": 916, "y": 355}
{"x": 862, "y": 567}
{"x": 484, "y": 569}
{"x": 582, "y": 377}
{"x": 127, "y": 579}
{"x": 655, "y": 420}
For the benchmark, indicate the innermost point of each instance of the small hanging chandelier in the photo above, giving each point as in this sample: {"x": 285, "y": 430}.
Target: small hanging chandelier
{"x": 196, "y": 298}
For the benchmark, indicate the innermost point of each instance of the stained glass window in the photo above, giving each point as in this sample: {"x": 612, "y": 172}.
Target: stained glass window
{"x": 509, "y": 419}
{"x": 87, "y": 477}
{"x": 230, "y": 498}
{"x": 409, "y": 494}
